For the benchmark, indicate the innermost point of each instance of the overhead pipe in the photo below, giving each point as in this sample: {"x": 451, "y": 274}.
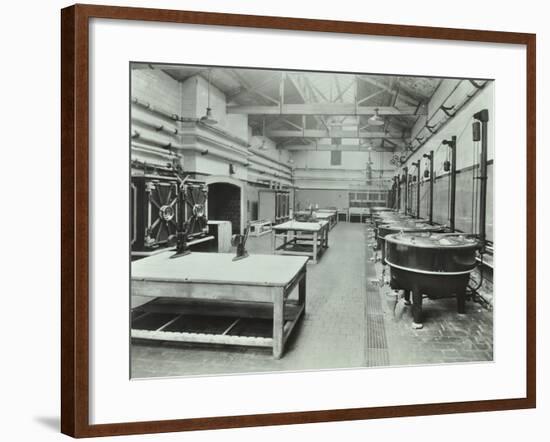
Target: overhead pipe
{"x": 167, "y": 129}
{"x": 283, "y": 166}
{"x": 217, "y": 130}
{"x": 253, "y": 163}
{"x": 398, "y": 177}
{"x": 173, "y": 131}
{"x": 155, "y": 140}
{"x": 175, "y": 117}
{"x": 260, "y": 161}
{"x": 410, "y": 185}
{"x": 275, "y": 175}
{"x": 417, "y": 164}
{"x": 163, "y": 112}
{"x": 452, "y": 146}
{"x": 430, "y": 158}
{"x": 162, "y": 155}
{"x": 406, "y": 195}
{"x": 396, "y": 192}
{"x": 434, "y": 129}
{"x": 156, "y": 110}
{"x": 145, "y": 117}
{"x": 483, "y": 118}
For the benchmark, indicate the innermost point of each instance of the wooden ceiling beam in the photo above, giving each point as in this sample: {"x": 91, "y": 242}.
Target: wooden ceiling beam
{"x": 368, "y": 97}
{"x": 253, "y": 89}
{"x": 330, "y": 147}
{"x": 387, "y": 88}
{"x": 313, "y": 94}
{"x": 301, "y": 91}
{"x": 333, "y": 133}
{"x": 340, "y": 109}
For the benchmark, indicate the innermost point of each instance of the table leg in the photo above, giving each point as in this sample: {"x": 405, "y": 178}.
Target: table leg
{"x": 461, "y": 302}
{"x": 273, "y": 241}
{"x": 278, "y": 322}
{"x": 417, "y": 308}
{"x": 315, "y": 239}
{"x": 407, "y": 297}
{"x": 302, "y": 292}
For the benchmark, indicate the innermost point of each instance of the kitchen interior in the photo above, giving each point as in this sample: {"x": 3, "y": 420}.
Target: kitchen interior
{"x": 290, "y": 220}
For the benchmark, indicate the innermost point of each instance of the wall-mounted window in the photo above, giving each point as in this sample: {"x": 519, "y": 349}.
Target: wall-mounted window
{"x": 335, "y": 157}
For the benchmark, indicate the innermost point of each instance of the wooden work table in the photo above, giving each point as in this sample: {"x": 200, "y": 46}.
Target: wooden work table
{"x": 301, "y": 238}
{"x": 322, "y": 214}
{"x": 362, "y": 212}
{"x": 330, "y": 215}
{"x": 261, "y": 282}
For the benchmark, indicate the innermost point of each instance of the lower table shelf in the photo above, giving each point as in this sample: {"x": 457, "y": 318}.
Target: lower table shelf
{"x": 195, "y": 321}
{"x": 259, "y": 228}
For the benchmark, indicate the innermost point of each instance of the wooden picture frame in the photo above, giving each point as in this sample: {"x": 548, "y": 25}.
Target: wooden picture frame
{"x": 75, "y": 192}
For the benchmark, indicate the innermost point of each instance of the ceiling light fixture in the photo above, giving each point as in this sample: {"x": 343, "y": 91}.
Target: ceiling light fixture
{"x": 263, "y": 145}
{"x": 207, "y": 118}
{"x": 376, "y": 119}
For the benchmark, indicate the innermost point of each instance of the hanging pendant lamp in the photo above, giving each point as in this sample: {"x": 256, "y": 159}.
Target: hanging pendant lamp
{"x": 263, "y": 146}
{"x": 207, "y": 118}
{"x": 376, "y": 119}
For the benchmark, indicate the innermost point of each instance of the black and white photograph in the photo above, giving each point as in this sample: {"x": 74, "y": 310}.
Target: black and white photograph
{"x": 286, "y": 220}
{"x": 275, "y": 221}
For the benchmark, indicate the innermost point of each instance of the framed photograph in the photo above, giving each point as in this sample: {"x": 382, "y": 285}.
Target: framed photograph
{"x": 272, "y": 220}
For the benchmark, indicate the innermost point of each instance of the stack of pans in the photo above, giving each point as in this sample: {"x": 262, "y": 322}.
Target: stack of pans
{"x": 434, "y": 264}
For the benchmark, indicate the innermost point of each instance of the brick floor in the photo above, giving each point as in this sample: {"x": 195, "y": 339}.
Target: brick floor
{"x": 349, "y": 323}
{"x": 331, "y": 335}
{"x": 446, "y": 337}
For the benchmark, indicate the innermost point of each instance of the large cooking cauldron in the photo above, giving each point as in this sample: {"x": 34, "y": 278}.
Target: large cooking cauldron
{"x": 408, "y": 226}
{"x": 380, "y": 217}
{"x": 393, "y": 219}
{"x": 437, "y": 265}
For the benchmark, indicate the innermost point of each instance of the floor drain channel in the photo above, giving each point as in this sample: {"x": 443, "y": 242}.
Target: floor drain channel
{"x": 376, "y": 342}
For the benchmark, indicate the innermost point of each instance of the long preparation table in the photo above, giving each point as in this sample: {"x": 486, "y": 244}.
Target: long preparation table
{"x": 330, "y": 215}
{"x": 361, "y": 212}
{"x": 261, "y": 282}
{"x": 322, "y": 214}
{"x": 301, "y": 238}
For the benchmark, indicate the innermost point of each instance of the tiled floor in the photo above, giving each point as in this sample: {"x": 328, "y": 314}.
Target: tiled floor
{"x": 349, "y": 322}
{"x": 446, "y": 336}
